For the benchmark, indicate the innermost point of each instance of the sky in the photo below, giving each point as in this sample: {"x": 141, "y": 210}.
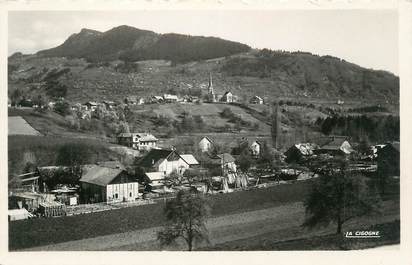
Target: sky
{"x": 368, "y": 38}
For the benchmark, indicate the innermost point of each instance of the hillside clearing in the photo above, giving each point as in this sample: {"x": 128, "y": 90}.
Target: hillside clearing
{"x": 19, "y": 126}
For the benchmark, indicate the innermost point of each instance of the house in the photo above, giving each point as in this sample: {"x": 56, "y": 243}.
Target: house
{"x": 163, "y": 160}
{"x": 228, "y": 97}
{"x": 299, "y": 152}
{"x": 256, "y": 148}
{"x": 205, "y": 144}
{"x": 104, "y": 184}
{"x": 335, "y": 145}
{"x": 190, "y": 159}
{"x": 256, "y": 100}
{"x": 168, "y": 98}
{"x": 156, "y": 99}
{"x": 91, "y": 105}
{"x": 139, "y": 141}
{"x": 388, "y": 159}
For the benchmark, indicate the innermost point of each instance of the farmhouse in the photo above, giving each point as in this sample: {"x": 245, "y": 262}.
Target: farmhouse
{"x": 91, "y": 105}
{"x": 256, "y": 100}
{"x": 104, "y": 184}
{"x": 299, "y": 152}
{"x": 205, "y": 144}
{"x": 163, "y": 160}
{"x": 335, "y": 145}
{"x": 228, "y": 97}
{"x": 139, "y": 141}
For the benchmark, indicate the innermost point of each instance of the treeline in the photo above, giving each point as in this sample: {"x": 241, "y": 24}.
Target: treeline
{"x": 377, "y": 129}
{"x": 318, "y": 76}
{"x": 184, "y": 48}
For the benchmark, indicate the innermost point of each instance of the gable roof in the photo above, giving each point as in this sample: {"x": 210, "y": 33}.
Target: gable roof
{"x": 394, "y": 145}
{"x": 333, "y": 142}
{"x": 306, "y": 148}
{"x": 143, "y": 137}
{"x": 207, "y": 138}
{"x": 99, "y": 175}
{"x": 153, "y": 157}
{"x": 154, "y": 175}
{"x": 190, "y": 159}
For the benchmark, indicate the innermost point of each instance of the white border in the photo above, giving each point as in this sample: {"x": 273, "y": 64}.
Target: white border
{"x": 402, "y": 255}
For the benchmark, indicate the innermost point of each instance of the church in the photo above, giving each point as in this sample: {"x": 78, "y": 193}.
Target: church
{"x": 228, "y": 97}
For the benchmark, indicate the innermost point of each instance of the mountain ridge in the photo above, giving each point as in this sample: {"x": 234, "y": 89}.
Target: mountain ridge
{"x": 124, "y": 42}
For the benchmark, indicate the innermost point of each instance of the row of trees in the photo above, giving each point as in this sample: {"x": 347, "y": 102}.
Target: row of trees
{"x": 377, "y": 128}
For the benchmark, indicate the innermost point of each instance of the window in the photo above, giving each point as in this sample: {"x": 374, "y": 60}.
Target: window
{"x": 116, "y": 195}
{"x": 130, "y": 194}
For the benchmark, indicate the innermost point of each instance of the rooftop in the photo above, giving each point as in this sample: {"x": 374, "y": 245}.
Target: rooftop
{"x": 99, "y": 175}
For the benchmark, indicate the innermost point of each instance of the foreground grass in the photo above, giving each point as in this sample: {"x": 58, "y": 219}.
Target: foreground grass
{"x": 38, "y": 232}
{"x": 390, "y": 234}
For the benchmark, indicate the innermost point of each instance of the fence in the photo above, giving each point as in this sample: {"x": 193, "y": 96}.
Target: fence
{"x": 104, "y": 206}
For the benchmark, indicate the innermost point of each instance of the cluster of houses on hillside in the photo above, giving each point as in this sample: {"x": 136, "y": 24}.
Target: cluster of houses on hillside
{"x": 112, "y": 182}
{"x": 88, "y": 108}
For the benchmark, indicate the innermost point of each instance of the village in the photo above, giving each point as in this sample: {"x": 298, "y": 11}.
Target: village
{"x": 159, "y": 172}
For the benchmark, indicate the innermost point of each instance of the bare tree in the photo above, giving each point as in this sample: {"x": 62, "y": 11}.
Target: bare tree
{"x": 185, "y": 215}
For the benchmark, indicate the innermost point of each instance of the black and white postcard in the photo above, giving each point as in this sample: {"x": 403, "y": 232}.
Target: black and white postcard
{"x": 200, "y": 127}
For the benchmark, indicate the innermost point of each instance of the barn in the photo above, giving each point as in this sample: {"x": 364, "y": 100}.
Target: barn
{"x": 105, "y": 184}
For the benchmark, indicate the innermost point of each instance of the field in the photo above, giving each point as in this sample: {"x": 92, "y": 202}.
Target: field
{"x": 37, "y": 232}
{"x": 50, "y": 123}
{"x": 18, "y": 126}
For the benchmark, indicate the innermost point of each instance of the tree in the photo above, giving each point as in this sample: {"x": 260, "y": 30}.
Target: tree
{"x": 73, "y": 155}
{"x": 55, "y": 89}
{"x": 62, "y": 107}
{"x": 16, "y": 96}
{"x": 185, "y": 217}
{"x": 244, "y": 160}
{"x": 337, "y": 197}
{"x": 364, "y": 146}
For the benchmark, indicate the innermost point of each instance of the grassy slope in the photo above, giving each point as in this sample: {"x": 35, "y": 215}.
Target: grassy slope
{"x": 37, "y": 232}
{"x": 157, "y": 77}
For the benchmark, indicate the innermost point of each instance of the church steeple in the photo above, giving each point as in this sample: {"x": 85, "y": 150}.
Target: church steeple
{"x": 211, "y": 93}
{"x": 210, "y": 87}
